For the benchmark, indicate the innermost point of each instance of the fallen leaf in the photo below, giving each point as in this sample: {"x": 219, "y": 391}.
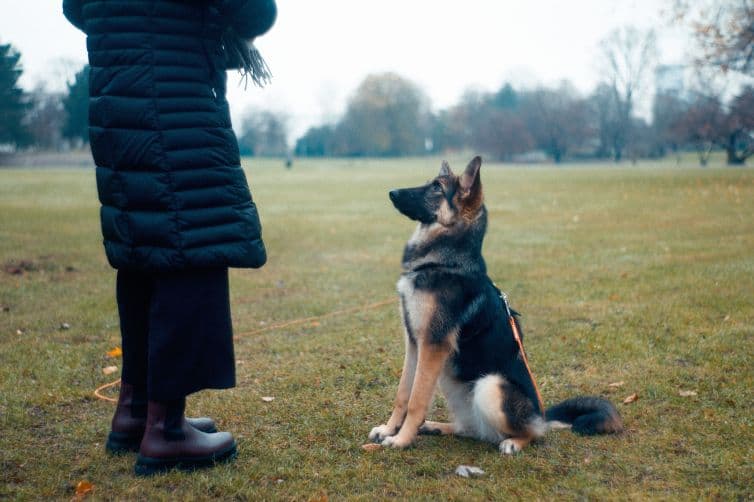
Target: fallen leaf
{"x": 614, "y": 297}
{"x": 268, "y": 399}
{"x": 83, "y": 487}
{"x": 616, "y": 384}
{"x": 109, "y": 370}
{"x": 116, "y": 352}
{"x": 686, "y": 393}
{"x": 467, "y": 471}
{"x": 314, "y": 324}
{"x": 371, "y": 446}
{"x": 630, "y": 399}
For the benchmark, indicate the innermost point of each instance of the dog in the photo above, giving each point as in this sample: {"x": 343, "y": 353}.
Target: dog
{"x": 459, "y": 332}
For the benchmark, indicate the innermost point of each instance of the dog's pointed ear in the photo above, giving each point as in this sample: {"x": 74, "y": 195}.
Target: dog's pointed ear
{"x": 470, "y": 181}
{"x": 445, "y": 169}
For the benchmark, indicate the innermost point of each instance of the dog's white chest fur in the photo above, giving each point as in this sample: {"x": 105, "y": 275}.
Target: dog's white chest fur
{"x": 417, "y": 306}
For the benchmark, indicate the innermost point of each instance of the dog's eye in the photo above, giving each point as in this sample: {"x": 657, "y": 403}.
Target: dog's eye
{"x": 437, "y": 186}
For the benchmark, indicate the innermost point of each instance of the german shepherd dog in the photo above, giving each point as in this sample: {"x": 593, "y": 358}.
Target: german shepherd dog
{"x": 457, "y": 332}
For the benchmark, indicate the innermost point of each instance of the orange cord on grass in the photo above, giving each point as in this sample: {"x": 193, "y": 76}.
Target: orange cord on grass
{"x": 285, "y": 324}
{"x": 99, "y": 389}
{"x": 516, "y": 336}
{"x": 304, "y": 320}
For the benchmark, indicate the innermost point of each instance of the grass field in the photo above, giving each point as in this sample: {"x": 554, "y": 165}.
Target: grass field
{"x": 641, "y": 275}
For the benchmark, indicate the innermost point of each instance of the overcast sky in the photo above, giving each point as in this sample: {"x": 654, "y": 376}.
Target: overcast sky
{"x": 319, "y": 51}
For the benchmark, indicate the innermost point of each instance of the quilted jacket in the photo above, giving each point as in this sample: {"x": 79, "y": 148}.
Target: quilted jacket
{"x": 168, "y": 171}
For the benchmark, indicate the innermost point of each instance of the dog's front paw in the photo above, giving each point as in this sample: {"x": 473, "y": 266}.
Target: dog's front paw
{"x": 379, "y": 433}
{"x": 398, "y": 441}
{"x": 509, "y": 447}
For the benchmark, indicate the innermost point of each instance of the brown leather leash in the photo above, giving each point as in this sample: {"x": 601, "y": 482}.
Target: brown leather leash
{"x": 517, "y": 338}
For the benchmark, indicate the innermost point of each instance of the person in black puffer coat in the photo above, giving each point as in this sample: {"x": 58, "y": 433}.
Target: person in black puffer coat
{"x": 176, "y": 207}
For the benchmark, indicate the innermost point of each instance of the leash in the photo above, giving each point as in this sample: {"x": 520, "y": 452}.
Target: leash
{"x": 517, "y": 338}
{"x": 98, "y": 391}
{"x": 304, "y": 320}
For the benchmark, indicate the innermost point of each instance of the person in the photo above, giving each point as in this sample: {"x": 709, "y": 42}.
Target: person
{"x": 176, "y": 208}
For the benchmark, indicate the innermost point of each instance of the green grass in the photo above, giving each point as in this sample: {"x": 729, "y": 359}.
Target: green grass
{"x": 637, "y": 274}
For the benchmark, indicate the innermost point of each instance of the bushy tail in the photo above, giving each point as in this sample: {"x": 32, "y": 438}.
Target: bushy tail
{"x": 586, "y": 415}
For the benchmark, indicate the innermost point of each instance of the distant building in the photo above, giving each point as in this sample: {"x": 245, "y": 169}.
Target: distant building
{"x": 670, "y": 79}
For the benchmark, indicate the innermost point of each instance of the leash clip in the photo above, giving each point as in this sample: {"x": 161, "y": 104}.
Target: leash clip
{"x": 503, "y": 296}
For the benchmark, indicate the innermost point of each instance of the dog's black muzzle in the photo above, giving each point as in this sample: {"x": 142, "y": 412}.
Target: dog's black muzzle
{"x": 393, "y": 194}
{"x": 411, "y": 203}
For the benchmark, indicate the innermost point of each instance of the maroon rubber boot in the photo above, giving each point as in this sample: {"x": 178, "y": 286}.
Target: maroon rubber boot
{"x": 171, "y": 442}
{"x": 130, "y": 420}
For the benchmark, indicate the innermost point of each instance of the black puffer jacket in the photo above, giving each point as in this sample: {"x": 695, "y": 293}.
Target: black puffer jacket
{"x": 169, "y": 178}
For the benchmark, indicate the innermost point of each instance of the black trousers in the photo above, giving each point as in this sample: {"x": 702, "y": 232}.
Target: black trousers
{"x": 176, "y": 330}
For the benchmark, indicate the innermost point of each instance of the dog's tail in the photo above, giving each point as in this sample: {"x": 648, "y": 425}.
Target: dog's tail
{"x": 585, "y": 415}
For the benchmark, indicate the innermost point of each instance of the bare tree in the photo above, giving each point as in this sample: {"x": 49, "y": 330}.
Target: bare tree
{"x": 668, "y": 110}
{"x": 501, "y": 133}
{"x": 628, "y": 57}
{"x": 263, "y": 133}
{"x": 557, "y": 118}
{"x": 707, "y": 123}
{"x": 45, "y": 118}
{"x": 737, "y": 135}
{"x": 387, "y": 115}
{"x": 492, "y": 123}
{"x": 700, "y": 125}
{"x": 724, "y": 30}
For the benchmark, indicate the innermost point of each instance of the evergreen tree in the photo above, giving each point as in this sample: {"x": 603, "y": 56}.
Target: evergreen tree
{"x": 76, "y": 106}
{"x": 13, "y": 102}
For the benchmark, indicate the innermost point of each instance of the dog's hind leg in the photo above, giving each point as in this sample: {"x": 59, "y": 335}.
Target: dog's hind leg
{"x": 430, "y": 428}
{"x": 400, "y": 406}
{"x": 503, "y": 415}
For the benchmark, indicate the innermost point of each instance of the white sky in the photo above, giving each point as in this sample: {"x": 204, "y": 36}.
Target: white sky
{"x": 319, "y": 51}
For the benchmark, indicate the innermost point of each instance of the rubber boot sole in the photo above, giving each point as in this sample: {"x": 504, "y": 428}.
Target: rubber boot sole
{"x": 149, "y": 466}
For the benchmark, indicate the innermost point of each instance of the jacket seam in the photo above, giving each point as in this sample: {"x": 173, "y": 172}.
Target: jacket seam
{"x": 165, "y": 162}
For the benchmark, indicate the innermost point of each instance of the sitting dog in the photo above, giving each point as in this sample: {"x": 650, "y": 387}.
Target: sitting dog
{"x": 460, "y": 332}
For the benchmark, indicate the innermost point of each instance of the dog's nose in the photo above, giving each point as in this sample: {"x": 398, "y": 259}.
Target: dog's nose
{"x": 393, "y": 194}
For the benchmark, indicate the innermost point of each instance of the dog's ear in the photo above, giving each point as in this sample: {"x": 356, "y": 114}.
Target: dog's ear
{"x": 470, "y": 182}
{"x": 445, "y": 169}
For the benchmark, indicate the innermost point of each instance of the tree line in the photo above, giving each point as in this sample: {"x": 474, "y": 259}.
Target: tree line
{"x": 529, "y": 124}
{"x": 388, "y": 115}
